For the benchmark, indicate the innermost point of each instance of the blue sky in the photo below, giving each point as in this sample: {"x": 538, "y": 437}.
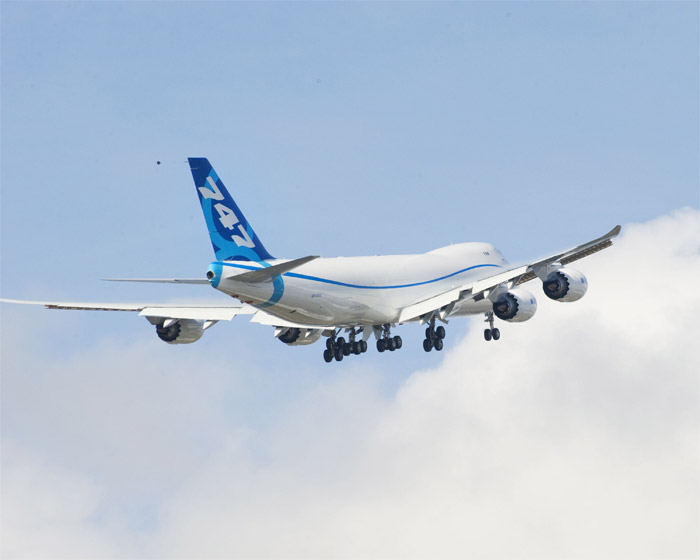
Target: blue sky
{"x": 341, "y": 129}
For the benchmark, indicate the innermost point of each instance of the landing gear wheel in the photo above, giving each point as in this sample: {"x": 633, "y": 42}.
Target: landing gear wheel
{"x": 427, "y": 345}
{"x": 491, "y": 333}
{"x": 363, "y": 346}
{"x": 356, "y": 348}
{"x": 440, "y": 332}
{"x": 438, "y": 344}
{"x": 429, "y": 333}
{"x": 338, "y": 353}
{"x": 398, "y": 343}
{"x": 329, "y": 343}
{"x": 390, "y": 344}
{"x": 328, "y": 355}
{"x": 380, "y": 345}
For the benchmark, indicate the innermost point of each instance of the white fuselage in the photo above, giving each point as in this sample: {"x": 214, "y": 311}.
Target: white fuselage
{"x": 362, "y": 290}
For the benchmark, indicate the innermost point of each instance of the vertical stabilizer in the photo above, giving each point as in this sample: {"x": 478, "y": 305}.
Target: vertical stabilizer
{"x": 231, "y": 235}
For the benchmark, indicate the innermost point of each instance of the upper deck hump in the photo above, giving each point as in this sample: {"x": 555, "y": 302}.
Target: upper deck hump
{"x": 399, "y": 271}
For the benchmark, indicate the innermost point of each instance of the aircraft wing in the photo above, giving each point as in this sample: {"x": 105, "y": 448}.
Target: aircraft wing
{"x": 480, "y": 289}
{"x": 174, "y": 311}
{"x": 167, "y": 311}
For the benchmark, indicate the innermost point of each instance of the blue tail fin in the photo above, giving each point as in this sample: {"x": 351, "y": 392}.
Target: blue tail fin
{"x": 231, "y": 235}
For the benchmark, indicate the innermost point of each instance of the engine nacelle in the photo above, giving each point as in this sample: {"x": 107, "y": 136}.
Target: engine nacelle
{"x": 515, "y": 306}
{"x": 300, "y": 337}
{"x": 565, "y": 284}
{"x": 183, "y": 331}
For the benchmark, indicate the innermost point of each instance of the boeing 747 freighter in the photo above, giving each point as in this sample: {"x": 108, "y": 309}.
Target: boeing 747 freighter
{"x": 348, "y": 301}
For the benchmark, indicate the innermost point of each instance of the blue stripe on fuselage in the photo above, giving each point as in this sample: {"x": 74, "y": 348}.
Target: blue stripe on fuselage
{"x": 277, "y": 289}
{"x": 345, "y": 284}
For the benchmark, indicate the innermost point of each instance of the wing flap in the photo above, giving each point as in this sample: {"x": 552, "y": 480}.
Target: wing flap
{"x": 81, "y": 306}
{"x": 496, "y": 279}
{"x": 428, "y": 305}
{"x": 197, "y": 313}
{"x": 263, "y": 318}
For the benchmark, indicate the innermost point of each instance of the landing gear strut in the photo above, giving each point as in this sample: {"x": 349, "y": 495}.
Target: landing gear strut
{"x": 338, "y": 348}
{"x": 357, "y": 347}
{"x": 491, "y": 332}
{"x": 388, "y": 342}
{"x": 433, "y": 337}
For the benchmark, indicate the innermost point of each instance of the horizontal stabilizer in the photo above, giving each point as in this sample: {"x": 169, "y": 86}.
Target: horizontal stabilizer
{"x": 160, "y": 280}
{"x": 267, "y": 274}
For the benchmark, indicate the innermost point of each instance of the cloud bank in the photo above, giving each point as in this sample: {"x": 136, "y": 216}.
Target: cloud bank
{"x": 575, "y": 436}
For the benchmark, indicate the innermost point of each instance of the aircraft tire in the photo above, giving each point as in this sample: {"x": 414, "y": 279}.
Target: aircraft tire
{"x": 363, "y": 346}
{"x": 329, "y": 343}
{"x": 398, "y": 343}
{"x": 487, "y": 335}
{"x": 391, "y": 346}
{"x": 380, "y": 345}
{"x": 438, "y": 344}
{"x": 427, "y": 345}
{"x": 356, "y": 348}
{"x": 328, "y": 355}
{"x": 339, "y": 354}
{"x": 440, "y": 332}
{"x": 496, "y": 334}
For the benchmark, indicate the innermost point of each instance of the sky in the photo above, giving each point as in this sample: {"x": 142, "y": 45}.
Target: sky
{"x": 350, "y": 129}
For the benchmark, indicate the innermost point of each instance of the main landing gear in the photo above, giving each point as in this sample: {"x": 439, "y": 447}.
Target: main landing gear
{"x": 338, "y": 348}
{"x": 491, "y": 332}
{"x": 387, "y": 342}
{"x": 433, "y": 337}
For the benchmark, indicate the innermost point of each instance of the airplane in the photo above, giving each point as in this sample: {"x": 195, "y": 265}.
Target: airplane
{"x": 311, "y": 297}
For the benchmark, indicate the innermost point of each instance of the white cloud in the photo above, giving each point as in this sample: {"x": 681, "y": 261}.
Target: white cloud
{"x": 46, "y": 510}
{"x": 576, "y": 435}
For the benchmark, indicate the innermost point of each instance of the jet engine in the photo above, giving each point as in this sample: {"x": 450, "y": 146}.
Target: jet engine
{"x": 565, "y": 284}
{"x": 299, "y": 337}
{"x": 515, "y": 306}
{"x": 182, "y": 331}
